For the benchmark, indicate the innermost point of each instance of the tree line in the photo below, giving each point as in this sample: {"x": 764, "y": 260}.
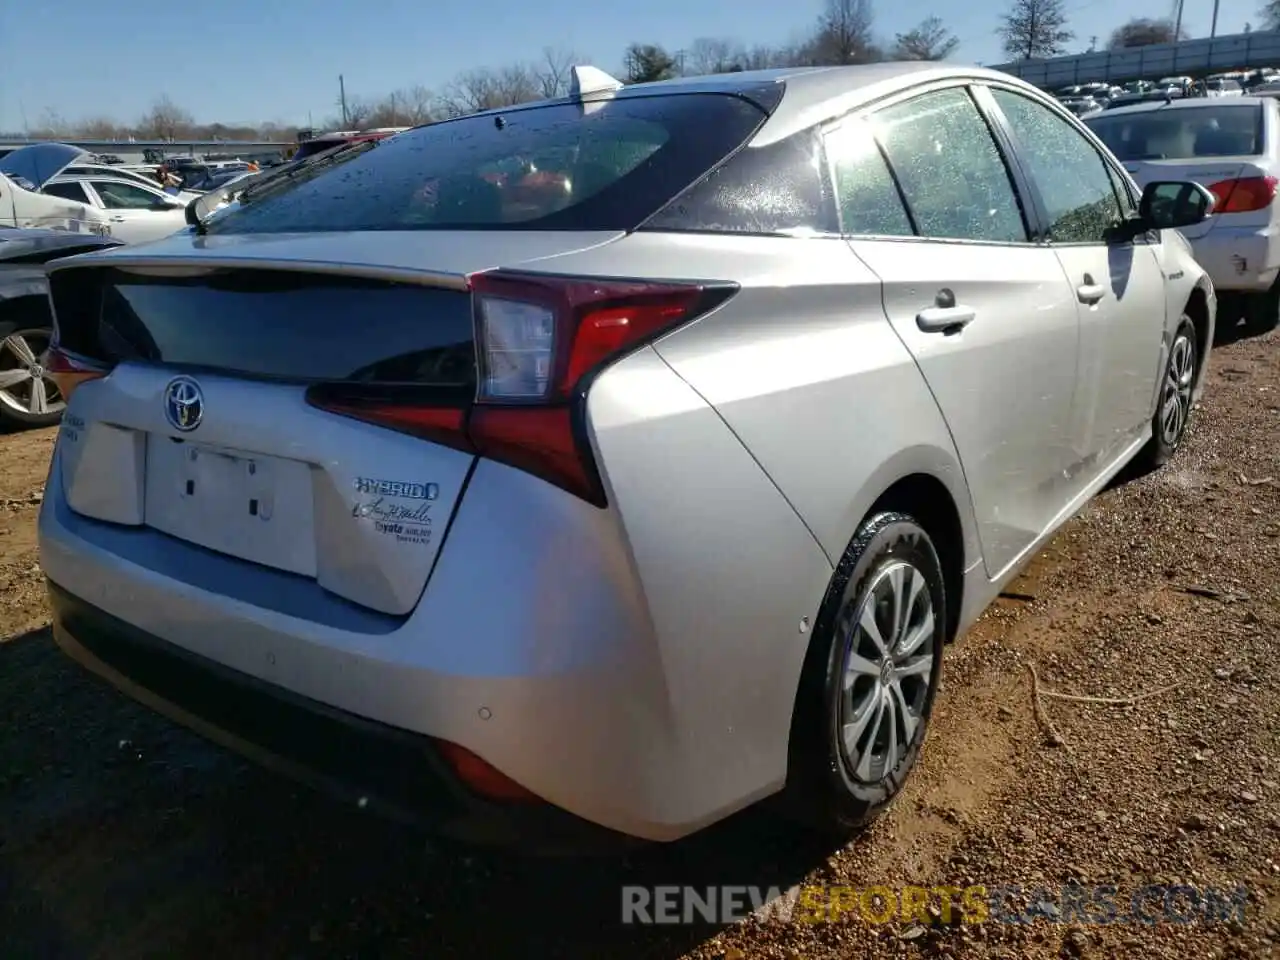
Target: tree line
{"x": 843, "y": 33}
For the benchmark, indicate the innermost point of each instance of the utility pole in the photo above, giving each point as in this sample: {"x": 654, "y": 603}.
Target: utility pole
{"x": 1093, "y": 44}
{"x": 1177, "y": 24}
{"x": 342, "y": 95}
{"x": 1213, "y": 30}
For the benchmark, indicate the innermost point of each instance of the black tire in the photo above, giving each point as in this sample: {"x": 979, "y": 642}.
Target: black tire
{"x": 826, "y": 789}
{"x": 1164, "y": 443}
{"x": 38, "y": 338}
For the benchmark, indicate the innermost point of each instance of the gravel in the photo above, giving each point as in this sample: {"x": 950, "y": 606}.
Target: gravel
{"x": 122, "y": 836}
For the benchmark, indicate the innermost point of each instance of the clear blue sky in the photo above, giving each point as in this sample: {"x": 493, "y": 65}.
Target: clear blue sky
{"x": 265, "y": 60}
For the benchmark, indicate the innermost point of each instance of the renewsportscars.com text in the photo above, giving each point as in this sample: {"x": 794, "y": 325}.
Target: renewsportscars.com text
{"x": 1072, "y": 903}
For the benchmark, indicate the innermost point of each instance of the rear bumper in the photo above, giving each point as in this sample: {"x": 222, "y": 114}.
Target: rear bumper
{"x": 635, "y": 666}
{"x": 381, "y": 769}
{"x": 1242, "y": 259}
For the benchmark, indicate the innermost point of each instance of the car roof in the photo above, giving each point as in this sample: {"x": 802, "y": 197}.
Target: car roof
{"x": 1183, "y": 103}
{"x": 78, "y": 177}
{"x": 811, "y": 94}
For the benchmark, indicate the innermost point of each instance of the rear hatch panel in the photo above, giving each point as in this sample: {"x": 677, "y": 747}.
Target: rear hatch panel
{"x": 203, "y": 432}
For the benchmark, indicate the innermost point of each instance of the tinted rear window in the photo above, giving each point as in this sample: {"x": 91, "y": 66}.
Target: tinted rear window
{"x": 554, "y": 167}
{"x": 296, "y": 327}
{"x": 1183, "y": 133}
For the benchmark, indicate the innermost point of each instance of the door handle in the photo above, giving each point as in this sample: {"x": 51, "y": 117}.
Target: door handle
{"x": 1090, "y": 292}
{"x": 946, "y": 320}
{"x": 117, "y": 219}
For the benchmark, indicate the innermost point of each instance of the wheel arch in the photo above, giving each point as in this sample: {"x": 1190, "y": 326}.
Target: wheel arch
{"x": 928, "y": 484}
{"x": 927, "y": 499}
{"x": 23, "y": 311}
{"x": 1202, "y": 318}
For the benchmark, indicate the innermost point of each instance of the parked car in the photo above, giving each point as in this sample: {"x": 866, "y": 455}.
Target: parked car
{"x": 88, "y": 170}
{"x": 216, "y": 179}
{"x": 611, "y": 493}
{"x": 1081, "y": 105}
{"x": 137, "y": 213}
{"x": 1232, "y": 146}
{"x": 28, "y": 395}
{"x": 327, "y": 141}
{"x": 23, "y": 203}
{"x": 1214, "y": 87}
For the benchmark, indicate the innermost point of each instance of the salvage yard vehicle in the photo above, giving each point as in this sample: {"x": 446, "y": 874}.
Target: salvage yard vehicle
{"x": 598, "y": 467}
{"x": 23, "y": 202}
{"x": 136, "y": 212}
{"x": 1231, "y": 145}
{"x": 28, "y": 396}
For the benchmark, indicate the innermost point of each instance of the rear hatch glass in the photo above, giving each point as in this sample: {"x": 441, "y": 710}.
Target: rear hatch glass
{"x": 601, "y": 166}
{"x": 1188, "y": 133}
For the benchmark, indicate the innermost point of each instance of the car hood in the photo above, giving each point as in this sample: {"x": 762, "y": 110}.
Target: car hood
{"x": 41, "y": 162}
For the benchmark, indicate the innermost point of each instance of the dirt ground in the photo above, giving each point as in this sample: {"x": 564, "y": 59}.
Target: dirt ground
{"x": 122, "y": 836}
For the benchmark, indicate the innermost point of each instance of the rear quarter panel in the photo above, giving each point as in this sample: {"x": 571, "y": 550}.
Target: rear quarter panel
{"x": 741, "y": 454}
{"x": 805, "y": 369}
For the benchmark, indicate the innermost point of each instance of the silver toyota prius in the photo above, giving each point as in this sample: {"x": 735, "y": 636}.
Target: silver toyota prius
{"x": 591, "y": 469}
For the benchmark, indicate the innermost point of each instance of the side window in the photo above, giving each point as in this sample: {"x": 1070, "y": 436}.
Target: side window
{"x": 124, "y": 196}
{"x": 1073, "y": 179}
{"x": 1128, "y": 200}
{"x": 779, "y": 188}
{"x": 866, "y": 195}
{"x": 67, "y": 191}
{"x": 951, "y": 172}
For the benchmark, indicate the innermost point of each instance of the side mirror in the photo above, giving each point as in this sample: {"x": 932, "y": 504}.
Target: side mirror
{"x": 1171, "y": 204}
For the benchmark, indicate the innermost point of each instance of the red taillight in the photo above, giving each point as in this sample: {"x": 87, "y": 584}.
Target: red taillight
{"x": 1243, "y": 195}
{"x": 539, "y": 339}
{"x": 69, "y": 371}
{"x": 480, "y": 777}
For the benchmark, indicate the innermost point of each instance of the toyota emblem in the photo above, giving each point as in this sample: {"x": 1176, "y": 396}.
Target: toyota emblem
{"x": 183, "y": 404}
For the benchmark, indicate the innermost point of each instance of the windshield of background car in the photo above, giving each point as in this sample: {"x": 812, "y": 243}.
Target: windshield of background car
{"x": 564, "y": 166}
{"x": 1183, "y": 134}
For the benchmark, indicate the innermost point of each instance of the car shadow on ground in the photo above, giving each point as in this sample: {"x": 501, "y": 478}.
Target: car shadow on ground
{"x": 122, "y": 835}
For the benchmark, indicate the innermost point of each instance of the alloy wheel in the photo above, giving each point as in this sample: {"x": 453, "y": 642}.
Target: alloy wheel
{"x": 887, "y": 667}
{"x": 25, "y": 386}
{"x": 1175, "y": 402}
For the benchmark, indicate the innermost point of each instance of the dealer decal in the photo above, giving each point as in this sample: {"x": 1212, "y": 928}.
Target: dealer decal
{"x": 406, "y": 522}
{"x": 405, "y": 489}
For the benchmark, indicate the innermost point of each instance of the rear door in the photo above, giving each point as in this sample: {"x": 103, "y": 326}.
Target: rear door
{"x": 985, "y": 310}
{"x": 1119, "y": 286}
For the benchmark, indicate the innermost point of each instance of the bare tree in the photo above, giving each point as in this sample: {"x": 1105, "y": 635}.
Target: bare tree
{"x": 1035, "y": 28}
{"x": 1270, "y": 15}
{"x": 553, "y": 72}
{"x": 844, "y": 34}
{"x": 165, "y": 120}
{"x": 764, "y": 58}
{"x": 709, "y": 55}
{"x": 482, "y": 89}
{"x": 51, "y": 125}
{"x": 403, "y": 108}
{"x": 359, "y": 111}
{"x": 930, "y": 40}
{"x": 649, "y": 62}
{"x": 1143, "y": 32}
{"x": 98, "y": 128}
